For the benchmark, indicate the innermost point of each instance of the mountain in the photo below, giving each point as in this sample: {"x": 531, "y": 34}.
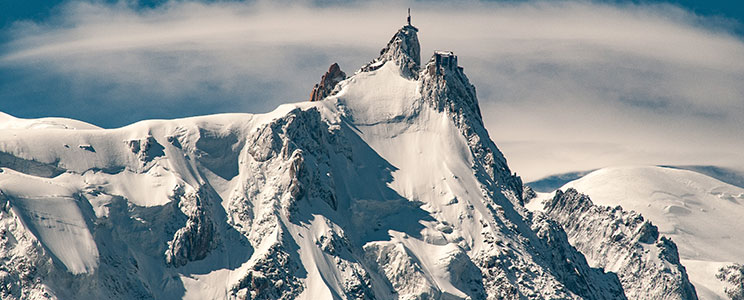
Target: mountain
{"x": 385, "y": 186}
{"x": 700, "y": 213}
{"x": 623, "y": 243}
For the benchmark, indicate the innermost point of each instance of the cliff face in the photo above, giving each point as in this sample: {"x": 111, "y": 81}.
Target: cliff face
{"x": 444, "y": 86}
{"x": 623, "y": 243}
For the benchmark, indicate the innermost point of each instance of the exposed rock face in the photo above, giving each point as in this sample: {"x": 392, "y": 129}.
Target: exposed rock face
{"x": 146, "y": 149}
{"x": 528, "y": 194}
{"x": 443, "y": 85}
{"x": 733, "y": 275}
{"x": 327, "y": 83}
{"x": 623, "y": 243}
{"x": 270, "y": 277}
{"x": 193, "y": 241}
{"x": 570, "y": 265}
{"x": 404, "y": 50}
{"x": 286, "y": 168}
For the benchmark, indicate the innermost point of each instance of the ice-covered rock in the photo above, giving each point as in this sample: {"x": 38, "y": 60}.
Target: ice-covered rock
{"x": 443, "y": 85}
{"x": 25, "y": 263}
{"x": 622, "y": 243}
{"x": 694, "y": 209}
{"x": 733, "y": 276}
{"x": 403, "y": 49}
{"x": 197, "y": 237}
{"x": 146, "y": 148}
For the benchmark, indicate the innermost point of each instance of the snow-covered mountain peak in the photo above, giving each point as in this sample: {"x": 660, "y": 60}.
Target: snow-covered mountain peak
{"x": 403, "y": 49}
{"x": 386, "y": 187}
{"x": 442, "y": 86}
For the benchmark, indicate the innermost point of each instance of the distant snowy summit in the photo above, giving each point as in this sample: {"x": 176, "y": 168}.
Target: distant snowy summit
{"x": 703, "y": 215}
{"x": 698, "y": 207}
{"x": 385, "y": 186}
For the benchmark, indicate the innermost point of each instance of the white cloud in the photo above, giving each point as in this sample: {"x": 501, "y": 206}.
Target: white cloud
{"x": 563, "y": 86}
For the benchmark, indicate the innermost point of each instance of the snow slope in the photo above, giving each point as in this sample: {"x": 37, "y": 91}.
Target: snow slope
{"x": 9, "y": 122}
{"x": 701, "y": 214}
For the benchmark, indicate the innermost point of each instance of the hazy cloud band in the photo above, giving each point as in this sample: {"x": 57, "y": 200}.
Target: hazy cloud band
{"x": 563, "y": 85}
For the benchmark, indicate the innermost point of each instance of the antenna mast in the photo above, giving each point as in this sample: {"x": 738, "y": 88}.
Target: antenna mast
{"x": 409, "y": 16}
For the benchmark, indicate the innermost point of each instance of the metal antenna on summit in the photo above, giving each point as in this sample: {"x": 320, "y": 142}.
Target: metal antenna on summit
{"x": 409, "y": 16}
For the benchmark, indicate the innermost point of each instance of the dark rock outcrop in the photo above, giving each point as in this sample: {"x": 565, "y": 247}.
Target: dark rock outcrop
{"x": 327, "y": 83}
{"x": 197, "y": 238}
{"x": 146, "y": 149}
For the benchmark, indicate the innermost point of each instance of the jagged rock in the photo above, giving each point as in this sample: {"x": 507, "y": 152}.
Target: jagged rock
{"x": 329, "y": 80}
{"x": 447, "y": 88}
{"x": 571, "y": 266}
{"x": 443, "y": 85}
{"x": 270, "y": 277}
{"x": 623, "y": 243}
{"x": 528, "y": 193}
{"x": 146, "y": 149}
{"x": 23, "y": 260}
{"x": 403, "y": 49}
{"x": 358, "y": 282}
{"x": 733, "y": 275}
{"x": 193, "y": 241}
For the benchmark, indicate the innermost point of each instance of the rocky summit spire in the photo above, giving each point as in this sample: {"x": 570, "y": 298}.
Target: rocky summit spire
{"x": 403, "y": 49}
{"x": 445, "y": 85}
{"x": 327, "y": 83}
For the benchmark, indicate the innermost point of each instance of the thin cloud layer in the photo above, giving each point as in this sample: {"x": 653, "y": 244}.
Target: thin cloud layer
{"x": 563, "y": 86}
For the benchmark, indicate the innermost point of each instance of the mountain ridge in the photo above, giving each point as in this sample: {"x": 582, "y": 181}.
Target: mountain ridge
{"x": 695, "y": 210}
{"x": 371, "y": 192}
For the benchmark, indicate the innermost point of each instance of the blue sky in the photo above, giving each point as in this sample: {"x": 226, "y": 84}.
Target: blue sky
{"x": 563, "y": 85}
{"x": 16, "y": 10}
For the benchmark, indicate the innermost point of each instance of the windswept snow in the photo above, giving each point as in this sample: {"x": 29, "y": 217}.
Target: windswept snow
{"x": 52, "y": 212}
